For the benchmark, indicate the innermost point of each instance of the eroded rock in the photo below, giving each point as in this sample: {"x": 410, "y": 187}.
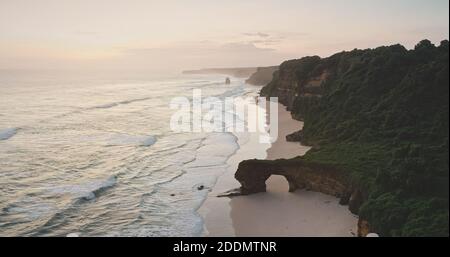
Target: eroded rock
{"x": 252, "y": 174}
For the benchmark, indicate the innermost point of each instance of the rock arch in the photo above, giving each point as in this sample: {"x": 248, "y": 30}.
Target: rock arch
{"x": 300, "y": 174}
{"x": 278, "y": 183}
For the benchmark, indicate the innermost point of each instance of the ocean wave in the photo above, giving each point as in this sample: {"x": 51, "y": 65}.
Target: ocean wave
{"x": 28, "y": 208}
{"x": 88, "y": 190}
{"x": 80, "y": 193}
{"x": 209, "y": 85}
{"x": 6, "y": 134}
{"x": 105, "y": 106}
{"x": 79, "y": 110}
{"x": 235, "y": 91}
{"x": 110, "y": 105}
{"x": 125, "y": 139}
{"x": 167, "y": 183}
{"x": 149, "y": 141}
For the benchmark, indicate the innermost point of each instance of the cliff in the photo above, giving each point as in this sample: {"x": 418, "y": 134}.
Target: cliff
{"x": 297, "y": 79}
{"x": 262, "y": 76}
{"x": 379, "y": 116}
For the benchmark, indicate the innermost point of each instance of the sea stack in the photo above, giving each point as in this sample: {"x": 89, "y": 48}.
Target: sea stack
{"x": 227, "y": 81}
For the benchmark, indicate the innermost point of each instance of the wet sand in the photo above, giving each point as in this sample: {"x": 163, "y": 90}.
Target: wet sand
{"x": 275, "y": 212}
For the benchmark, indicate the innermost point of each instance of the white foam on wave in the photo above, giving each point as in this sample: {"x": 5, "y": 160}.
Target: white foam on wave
{"x": 215, "y": 150}
{"x": 86, "y": 190}
{"x": 185, "y": 192}
{"x": 149, "y": 141}
{"x": 6, "y": 134}
{"x": 30, "y": 208}
{"x": 125, "y": 139}
{"x": 106, "y": 106}
{"x": 124, "y": 102}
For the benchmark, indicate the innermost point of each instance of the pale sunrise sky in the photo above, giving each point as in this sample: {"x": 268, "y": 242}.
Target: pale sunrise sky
{"x": 189, "y": 34}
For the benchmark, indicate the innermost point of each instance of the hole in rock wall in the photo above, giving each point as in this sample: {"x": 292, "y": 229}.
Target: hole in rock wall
{"x": 277, "y": 183}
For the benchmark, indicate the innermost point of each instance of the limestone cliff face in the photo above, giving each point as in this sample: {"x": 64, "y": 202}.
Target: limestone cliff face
{"x": 262, "y": 76}
{"x": 363, "y": 228}
{"x": 298, "y": 81}
{"x": 252, "y": 174}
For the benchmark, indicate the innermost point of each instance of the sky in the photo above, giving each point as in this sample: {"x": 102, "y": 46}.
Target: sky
{"x": 190, "y": 34}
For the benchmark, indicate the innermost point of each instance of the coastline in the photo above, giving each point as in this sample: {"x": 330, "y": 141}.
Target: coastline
{"x": 275, "y": 212}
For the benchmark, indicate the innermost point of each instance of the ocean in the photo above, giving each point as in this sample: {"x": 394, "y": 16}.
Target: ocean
{"x": 95, "y": 155}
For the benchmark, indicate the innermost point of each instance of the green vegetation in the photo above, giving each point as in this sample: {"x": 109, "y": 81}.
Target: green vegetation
{"x": 383, "y": 117}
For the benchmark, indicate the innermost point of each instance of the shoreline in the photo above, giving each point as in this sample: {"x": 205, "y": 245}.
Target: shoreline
{"x": 275, "y": 212}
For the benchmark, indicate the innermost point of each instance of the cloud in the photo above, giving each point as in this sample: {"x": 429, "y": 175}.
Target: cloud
{"x": 201, "y": 48}
{"x": 200, "y": 54}
{"x": 243, "y": 47}
{"x": 269, "y": 40}
{"x": 265, "y": 41}
{"x": 257, "y": 34}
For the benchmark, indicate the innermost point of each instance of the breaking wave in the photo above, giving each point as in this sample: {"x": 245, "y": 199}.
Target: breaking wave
{"x": 6, "y": 134}
{"x": 125, "y": 139}
{"x": 88, "y": 190}
{"x": 110, "y": 105}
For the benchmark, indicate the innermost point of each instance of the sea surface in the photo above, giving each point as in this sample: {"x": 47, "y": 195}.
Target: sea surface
{"x": 94, "y": 155}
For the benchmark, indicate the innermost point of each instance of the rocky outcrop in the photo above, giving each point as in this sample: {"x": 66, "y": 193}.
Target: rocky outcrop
{"x": 363, "y": 227}
{"x": 262, "y": 76}
{"x": 300, "y": 174}
{"x": 295, "y": 137}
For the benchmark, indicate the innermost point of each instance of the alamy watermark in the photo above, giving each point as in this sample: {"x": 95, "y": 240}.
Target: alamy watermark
{"x": 229, "y": 114}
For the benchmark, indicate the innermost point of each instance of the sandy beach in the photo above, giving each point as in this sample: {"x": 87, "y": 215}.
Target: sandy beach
{"x": 275, "y": 212}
